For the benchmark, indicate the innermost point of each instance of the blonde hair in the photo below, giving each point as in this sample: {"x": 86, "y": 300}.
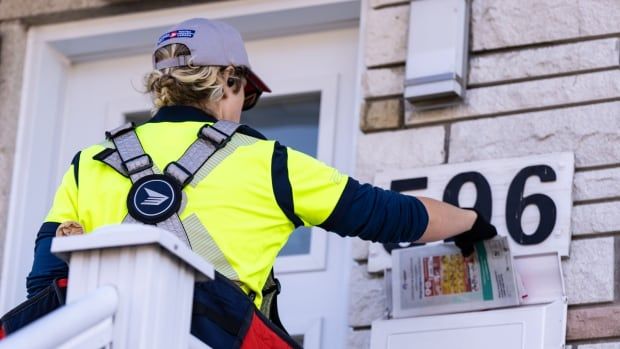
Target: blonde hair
{"x": 188, "y": 85}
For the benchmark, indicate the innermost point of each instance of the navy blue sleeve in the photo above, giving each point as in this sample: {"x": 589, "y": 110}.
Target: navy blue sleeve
{"x": 378, "y": 215}
{"x": 46, "y": 266}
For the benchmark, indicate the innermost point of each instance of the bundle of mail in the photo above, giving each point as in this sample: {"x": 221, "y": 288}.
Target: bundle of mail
{"x": 437, "y": 279}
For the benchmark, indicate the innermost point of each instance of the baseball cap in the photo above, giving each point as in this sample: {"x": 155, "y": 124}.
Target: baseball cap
{"x": 211, "y": 43}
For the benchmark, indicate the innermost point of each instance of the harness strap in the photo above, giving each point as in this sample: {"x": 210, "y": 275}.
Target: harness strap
{"x": 135, "y": 161}
{"x": 210, "y": 139}
{"x": 269, "y": 307}
{"x": 111, "y": 158}
{"x": 130, "y": 160}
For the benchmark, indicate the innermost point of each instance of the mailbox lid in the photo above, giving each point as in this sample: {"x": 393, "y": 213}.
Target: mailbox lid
{"x": 526, "y": 327}
{"x": 542, "y": 278}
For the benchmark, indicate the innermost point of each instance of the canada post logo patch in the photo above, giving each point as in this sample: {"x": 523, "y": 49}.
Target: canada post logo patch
{"x": 180, "y": 33}
{"x": 154, "y": 198}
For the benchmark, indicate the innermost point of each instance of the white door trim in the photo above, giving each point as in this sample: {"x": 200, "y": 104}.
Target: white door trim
{"x": 312, "y": 331}
{"x": 52, "y": 49}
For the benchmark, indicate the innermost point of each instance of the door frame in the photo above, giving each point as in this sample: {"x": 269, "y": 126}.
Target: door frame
{"x": 50, "y": 51}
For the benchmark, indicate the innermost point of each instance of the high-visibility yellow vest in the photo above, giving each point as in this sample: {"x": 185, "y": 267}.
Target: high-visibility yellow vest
{"x": 242, "y": 205}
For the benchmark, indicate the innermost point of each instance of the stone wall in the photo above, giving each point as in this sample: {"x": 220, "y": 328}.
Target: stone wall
{"x": 12, "y": 48}
{"x": 543, "y": 77}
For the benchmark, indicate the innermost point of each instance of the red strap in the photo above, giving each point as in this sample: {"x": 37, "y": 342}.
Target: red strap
{"x": 2, "y": 334}
{"x": 62, "y": 283}
{"x": 261, "y": 336}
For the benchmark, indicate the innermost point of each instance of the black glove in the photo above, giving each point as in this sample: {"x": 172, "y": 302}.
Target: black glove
{"x": 481, "y": 230}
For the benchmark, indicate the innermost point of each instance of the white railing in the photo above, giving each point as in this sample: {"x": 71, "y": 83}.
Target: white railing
{"x": 130, "y": 286}
{"x": 86, "y": 323}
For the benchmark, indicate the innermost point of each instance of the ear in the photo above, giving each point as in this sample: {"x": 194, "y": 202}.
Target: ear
{"x": 230, "y": 82}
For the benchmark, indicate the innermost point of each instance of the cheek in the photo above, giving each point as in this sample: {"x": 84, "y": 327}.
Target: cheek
{"x": 235, "y": 102}
{"x": 239, "y": 97}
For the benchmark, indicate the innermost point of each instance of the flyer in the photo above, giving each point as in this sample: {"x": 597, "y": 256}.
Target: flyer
{"x": 437, "y": 279}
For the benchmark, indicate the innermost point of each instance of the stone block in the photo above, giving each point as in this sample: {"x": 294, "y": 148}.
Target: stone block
{"x": 386, "y": 36}
{"x": 593, "y": 185}
{"x": 359, "y": 340}
{"x": 12, "y": 52}
{"x": 596, "y": 218}
{"x": 398, "y": 150}
{"x": 593, "y": 322}
{"x": 366, "y": 296}
{"x": 608, "y": 345}
{"x": 590, "y": 131}
{"x": 382, "y": 114}
{"x": 589, "y": 271}
{"x": 35, "y": 12}
{"x": 543, "y": 61}
{"x": 359, "y": 249}
{"x": 498, "y": 24}
{"x": 525, "y": 96}
{"x": 382, "y": 3}
{"x": 32, "y": 8}
{"x": 384, "y": 82}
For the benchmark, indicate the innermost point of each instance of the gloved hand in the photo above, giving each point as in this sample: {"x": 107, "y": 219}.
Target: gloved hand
{"x": 481, "y": 230}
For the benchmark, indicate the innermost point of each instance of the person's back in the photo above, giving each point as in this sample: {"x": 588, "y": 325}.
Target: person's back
{"x": 233, "y": 212}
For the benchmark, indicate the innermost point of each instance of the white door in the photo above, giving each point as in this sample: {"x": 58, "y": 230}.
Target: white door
{"x": 312, "y": 76}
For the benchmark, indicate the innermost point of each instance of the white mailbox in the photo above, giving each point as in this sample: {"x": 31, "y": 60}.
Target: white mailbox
{"x": 540, "y": 321}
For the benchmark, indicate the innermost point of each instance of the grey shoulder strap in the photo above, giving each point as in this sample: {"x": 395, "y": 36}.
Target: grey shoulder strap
{"x": 211, "y": 138}
{"x": 134, "y": 162}
{"x": 130, "y": 160}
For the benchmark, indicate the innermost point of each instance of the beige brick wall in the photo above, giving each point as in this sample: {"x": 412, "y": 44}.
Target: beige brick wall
{"x": 542, "y": 74}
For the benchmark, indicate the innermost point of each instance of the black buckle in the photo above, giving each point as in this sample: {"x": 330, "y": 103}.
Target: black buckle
{"x": 277, "y": 288}
{"x": 140, "y": 168}
{"x": 278, "y": 285}
{"x": 218, "y": 139}
{"x": 130, "y": 126}
{"x": 189, "y": 176}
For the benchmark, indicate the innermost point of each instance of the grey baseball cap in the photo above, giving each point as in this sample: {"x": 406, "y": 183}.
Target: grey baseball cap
{"x": 210, "y": 43}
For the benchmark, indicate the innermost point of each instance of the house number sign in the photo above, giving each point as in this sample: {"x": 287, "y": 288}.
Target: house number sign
{"x": 528, "y": 199}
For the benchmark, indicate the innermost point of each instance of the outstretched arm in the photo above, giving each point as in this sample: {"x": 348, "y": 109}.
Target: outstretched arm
{"x": 322, "y": 196}
{"x": 445, "y": 220}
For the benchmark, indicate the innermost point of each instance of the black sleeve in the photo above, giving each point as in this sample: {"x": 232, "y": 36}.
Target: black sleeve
{"x": 378, "y": 215}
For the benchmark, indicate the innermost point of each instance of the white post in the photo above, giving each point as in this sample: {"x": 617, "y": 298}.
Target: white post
{"x": 154, "y": 275}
